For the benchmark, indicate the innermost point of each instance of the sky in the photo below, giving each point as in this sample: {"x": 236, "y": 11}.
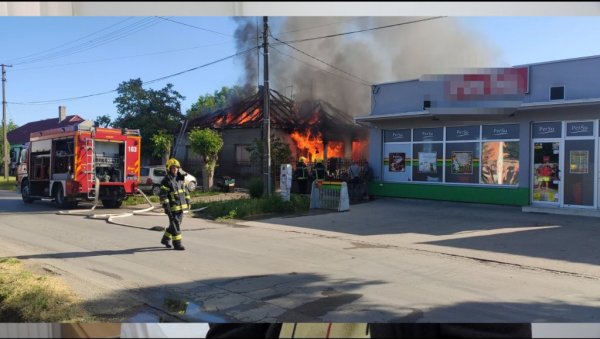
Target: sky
{"x": 56, "y": 60}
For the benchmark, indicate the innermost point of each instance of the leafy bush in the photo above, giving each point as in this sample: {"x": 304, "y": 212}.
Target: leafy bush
{"x": 255, "y": 187}
{"x": 246, "y": 208}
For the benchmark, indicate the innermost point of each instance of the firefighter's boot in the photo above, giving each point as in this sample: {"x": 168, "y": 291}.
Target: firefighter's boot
{"x": 177, "y": 245}
{"x": 165, "y": 241}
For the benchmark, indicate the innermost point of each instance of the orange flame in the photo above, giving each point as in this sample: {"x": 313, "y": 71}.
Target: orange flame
{"x": 360, "y": 149}
{"x": 249, "y": 117}
{"x": 311, "y": 146}
{"x": 224, "y": 120}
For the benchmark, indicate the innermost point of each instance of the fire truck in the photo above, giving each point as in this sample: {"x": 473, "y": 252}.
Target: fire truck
{"x": 76, "y": 163}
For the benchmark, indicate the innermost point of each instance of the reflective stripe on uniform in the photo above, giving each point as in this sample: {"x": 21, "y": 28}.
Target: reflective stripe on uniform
{"x": 168, "y": 235}
{"x": 177, "y": 237}
{"x": 177, "y": 208}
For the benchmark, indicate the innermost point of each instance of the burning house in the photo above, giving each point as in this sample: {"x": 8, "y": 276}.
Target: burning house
{"x": 313, "y": 129}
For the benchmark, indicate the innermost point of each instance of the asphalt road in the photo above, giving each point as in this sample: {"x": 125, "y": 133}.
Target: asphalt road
{"x": 386, "y": 260}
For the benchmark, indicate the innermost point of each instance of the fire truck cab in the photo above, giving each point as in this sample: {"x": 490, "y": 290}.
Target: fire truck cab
{"x": 65, "y": 164}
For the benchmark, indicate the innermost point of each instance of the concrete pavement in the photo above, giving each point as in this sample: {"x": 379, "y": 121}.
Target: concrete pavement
{"x": 565, "y": 244}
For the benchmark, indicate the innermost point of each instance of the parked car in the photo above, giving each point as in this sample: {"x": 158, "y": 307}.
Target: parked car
{"x": 151, "y": 176}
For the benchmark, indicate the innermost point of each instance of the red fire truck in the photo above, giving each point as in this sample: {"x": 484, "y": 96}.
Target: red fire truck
{"x": 65, "y": 164}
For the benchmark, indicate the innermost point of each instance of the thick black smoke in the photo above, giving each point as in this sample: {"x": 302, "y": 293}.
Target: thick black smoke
{"x": 378, "y": 56}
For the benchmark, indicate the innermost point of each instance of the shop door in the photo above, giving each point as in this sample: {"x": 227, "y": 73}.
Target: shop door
{"x": 546, "y": 173}
{"x": 579, "y": 173}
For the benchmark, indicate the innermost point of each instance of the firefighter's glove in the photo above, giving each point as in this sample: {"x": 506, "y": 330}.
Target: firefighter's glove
{"x": 189, "y": 203}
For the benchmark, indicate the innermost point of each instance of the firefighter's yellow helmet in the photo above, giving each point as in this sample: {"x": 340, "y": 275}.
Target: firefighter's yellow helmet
{"x": 302, "y": 159}
{"x": 172, "y": 162}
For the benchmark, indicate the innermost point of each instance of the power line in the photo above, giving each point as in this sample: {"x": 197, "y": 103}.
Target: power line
{"x": 70, "y": 42}
{"x": 124, "y": 57}
{"x": 200, "y": 28}
{"x": 44, "y": 102}
{"x": 319, "y": 68}
{"x": 323, "y": 62}
{"x": 102, "y": 40}
{"x": 319, "y": 26}
{"x": 364, "y": 30}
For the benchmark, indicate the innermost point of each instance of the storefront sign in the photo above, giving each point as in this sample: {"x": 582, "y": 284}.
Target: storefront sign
{"x": 429, "y": 134}
{"x": 547, "y": 130}
{"x": 500, "y": 132}
{"x": 580, "y": 129}
{"x": 397, "y": 135}
{"x": 495, "y": 82}
{"x": 462, "y": 133}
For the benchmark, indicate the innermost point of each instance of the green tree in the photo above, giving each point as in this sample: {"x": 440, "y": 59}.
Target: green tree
{"x": 207, "y": 143}
{"x": 280, "y": 154}
{"x": 10, "y": 126}
{"x": 102, "y": 120}
{"x": 222, "y": 98}
{"x": 162, "y": 142}
{"x": 147, "y": 110}
{"x": 280, "y": 151}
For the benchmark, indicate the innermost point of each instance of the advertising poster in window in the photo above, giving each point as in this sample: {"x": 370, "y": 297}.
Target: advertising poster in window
{"x": 500, "y": 163}
{"x": 462, "y": 162}
{"x": 427, "y": 162}
{"x": 579, "y": 162}
{"x": 397, "y": 162}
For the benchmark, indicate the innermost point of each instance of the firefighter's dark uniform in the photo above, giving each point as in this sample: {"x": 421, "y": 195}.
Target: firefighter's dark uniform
{"x": 302, "y": 176}
{"x": 175, "y": 199}
{"x": 319, "y": 171}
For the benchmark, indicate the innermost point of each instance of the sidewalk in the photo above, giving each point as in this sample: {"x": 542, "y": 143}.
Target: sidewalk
{"x": 564, "y": 244}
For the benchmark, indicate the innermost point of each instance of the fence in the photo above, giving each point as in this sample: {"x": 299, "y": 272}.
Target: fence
{"x": 331, "y": 195}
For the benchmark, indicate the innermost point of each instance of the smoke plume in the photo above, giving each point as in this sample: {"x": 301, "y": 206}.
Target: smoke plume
{"x": 372, "y": 57}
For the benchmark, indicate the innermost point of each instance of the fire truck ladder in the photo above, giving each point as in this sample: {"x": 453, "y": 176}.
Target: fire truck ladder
{"x": 90, "y": 173}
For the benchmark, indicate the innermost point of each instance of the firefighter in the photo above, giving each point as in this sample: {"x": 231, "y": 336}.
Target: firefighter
{"x": 301, "y": 175}
{"x": 319, "y": 171}
{"x": 175, "y": 198}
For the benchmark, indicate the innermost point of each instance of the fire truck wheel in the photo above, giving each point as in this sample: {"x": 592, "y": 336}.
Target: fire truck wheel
{"x": 25, "y": 192}
{"x": 59, "y": 197}
{"x": 112, "y": 203}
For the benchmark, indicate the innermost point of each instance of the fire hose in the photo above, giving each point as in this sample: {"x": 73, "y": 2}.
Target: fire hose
{"x": 109, "y": 217}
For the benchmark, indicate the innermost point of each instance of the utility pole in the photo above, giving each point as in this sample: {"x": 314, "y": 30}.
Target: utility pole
{"x": 5, "y": 147}
{"x": 266, "y": 114}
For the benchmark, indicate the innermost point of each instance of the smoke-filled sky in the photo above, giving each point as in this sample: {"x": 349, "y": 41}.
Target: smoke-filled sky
{"x": 359, "y": 59}
{"x": 79, "y": 61}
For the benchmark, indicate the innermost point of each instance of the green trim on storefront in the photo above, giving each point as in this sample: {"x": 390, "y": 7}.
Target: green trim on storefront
{"x": 517, "y": 196}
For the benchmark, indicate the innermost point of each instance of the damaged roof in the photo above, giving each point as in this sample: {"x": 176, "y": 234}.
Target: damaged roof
{"x": 285, "y": 114}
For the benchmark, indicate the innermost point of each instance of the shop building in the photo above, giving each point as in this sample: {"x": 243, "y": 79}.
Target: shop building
{"x": 526, "y": 136}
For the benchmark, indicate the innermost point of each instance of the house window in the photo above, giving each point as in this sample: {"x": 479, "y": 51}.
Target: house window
{"x": 241, "y": 154}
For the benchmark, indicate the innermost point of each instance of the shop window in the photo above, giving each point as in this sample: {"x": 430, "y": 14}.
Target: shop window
{"x": 427, "y": 162}
{"x": 557, "y": 93}
{"x": 397, "y": 162}
{"x": 462, "y": 162}
{"x": 500, "y": 163}
{"x": 426, "y": 104}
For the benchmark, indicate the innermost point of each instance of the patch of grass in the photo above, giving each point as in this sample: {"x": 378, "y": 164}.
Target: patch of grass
{"x": 9, "y": 185}
{"x": 252, "y": 208}
{"x": 139, "y": 200}
{"x": 203, "y": 194}
{"x": 26, "y": 297}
